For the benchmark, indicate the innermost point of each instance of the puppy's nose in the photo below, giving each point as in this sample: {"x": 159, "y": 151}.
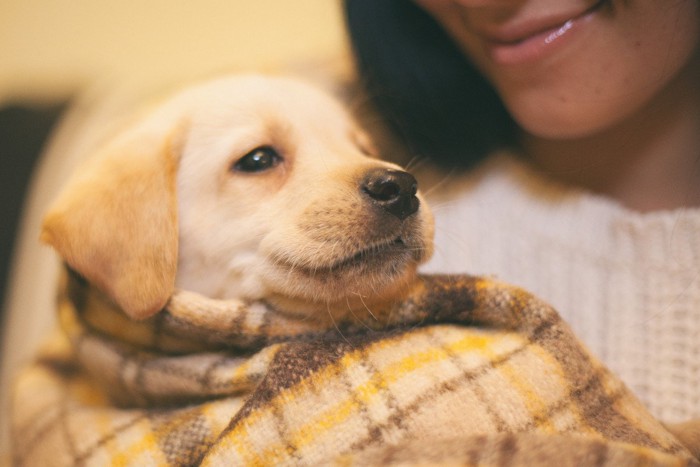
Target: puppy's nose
{"x": 393, "y": 190}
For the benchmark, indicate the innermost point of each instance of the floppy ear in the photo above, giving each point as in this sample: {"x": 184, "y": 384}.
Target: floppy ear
{"x": 116, "y": 221}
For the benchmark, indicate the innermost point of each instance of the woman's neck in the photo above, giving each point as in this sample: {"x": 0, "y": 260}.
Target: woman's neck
{"x": 649, "y": 162}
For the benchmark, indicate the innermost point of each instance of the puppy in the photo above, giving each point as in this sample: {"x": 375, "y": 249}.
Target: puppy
{"x": 245, "y": 187}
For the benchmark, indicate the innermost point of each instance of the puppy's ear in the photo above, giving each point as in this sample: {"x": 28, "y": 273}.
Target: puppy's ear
{"x": 116, "y": 221}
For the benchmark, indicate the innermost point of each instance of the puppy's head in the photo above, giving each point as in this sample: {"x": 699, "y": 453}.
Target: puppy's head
{"x": 246, "y": 187}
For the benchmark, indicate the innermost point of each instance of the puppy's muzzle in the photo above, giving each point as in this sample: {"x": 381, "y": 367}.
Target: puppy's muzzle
{"x": 392, "y": 190}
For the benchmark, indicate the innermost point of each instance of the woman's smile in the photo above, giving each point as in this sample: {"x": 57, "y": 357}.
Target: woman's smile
{"x": 572, "y": 68}
{"x": 529, "y": 39}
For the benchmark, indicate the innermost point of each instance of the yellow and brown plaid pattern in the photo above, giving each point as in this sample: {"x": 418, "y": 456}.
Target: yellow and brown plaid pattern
{"x": 466, "y": 371}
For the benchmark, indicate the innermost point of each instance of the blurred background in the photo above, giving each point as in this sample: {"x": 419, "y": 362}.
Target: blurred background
{"x": 55, "y": 52}
{"x": 50, "y": 47}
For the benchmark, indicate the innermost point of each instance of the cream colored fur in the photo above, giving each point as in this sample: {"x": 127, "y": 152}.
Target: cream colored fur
{"x": 162, "y": 206}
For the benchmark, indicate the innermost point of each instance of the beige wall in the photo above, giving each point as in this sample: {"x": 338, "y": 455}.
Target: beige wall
{"x": 48, "y": 47}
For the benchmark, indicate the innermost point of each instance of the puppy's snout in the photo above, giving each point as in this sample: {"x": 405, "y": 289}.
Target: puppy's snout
{"x": 393, "y": 190}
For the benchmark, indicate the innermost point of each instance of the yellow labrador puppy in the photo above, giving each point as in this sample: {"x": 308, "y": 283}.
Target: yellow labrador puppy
{"x": 244, "y": 187}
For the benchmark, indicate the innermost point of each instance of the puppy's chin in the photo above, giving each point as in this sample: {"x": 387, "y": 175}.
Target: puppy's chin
{"x": 351, "y": 290}
{"x": 358, "y": 281}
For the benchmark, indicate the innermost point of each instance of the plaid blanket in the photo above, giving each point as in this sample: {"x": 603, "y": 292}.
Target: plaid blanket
{"x": 465, "y": 371}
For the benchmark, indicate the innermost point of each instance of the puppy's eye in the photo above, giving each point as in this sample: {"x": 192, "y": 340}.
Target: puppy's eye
{"x": 258, "y": 160}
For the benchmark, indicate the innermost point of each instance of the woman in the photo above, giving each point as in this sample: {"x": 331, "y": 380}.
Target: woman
{"x": 579, "y": 124}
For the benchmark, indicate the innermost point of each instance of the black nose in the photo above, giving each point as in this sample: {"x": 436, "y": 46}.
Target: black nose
{"x": 393, "y": 190}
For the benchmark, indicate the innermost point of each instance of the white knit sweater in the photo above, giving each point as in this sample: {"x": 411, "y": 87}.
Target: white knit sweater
{"x": 628, "y": 283}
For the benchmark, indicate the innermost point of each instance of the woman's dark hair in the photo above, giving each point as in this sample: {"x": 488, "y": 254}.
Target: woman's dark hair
{"x": 432, "y": 97}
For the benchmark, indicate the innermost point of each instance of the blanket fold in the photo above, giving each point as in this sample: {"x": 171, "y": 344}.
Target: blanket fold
{"x": 466, "y": 371}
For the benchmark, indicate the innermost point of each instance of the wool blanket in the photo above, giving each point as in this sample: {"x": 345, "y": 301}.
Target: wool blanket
{"x": 465, "y": 371}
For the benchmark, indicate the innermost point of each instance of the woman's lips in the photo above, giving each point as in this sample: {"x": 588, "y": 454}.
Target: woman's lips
{"x": 534, "y": 40}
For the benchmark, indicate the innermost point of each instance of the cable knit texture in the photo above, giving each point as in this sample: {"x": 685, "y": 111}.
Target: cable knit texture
{"x": 627, "y": 283}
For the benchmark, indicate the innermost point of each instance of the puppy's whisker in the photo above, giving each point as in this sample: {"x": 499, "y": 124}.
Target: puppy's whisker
{"x": 330, "y": 314}
{"x": 373, "y": 283}
{"x": 409, "y": 165}
{"x": 439, "y": 184}
{"x": 416, "y": 162}
{"x": 357, "y": 318}
{"x": 366, "y": 307}
{"x": 437, "y": 207}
